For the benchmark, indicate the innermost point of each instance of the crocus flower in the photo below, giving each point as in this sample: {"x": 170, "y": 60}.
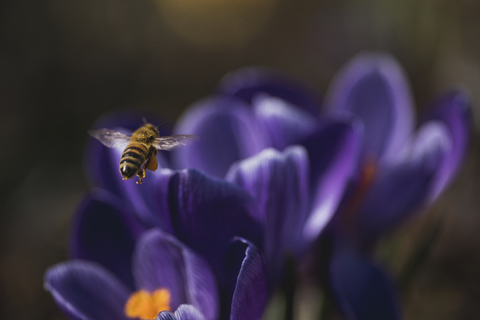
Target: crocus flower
{"x": 203, "y": 212}
{"x": 264, "y": 198}
{"x": 280, "y": 201}
{"x": 373, "y": 89}
{"x": 257, "y": 109}
{"x": 293, "y": 193}
{"x": 272, "y": 170}
{"x": 164, "y": 274}
{"x": 401, "y": 170}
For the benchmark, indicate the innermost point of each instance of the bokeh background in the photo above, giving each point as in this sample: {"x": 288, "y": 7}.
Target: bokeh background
{"x": 65, "y": 63}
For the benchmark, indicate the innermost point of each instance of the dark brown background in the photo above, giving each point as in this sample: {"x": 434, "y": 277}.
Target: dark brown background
{"x": 64, "y": 63}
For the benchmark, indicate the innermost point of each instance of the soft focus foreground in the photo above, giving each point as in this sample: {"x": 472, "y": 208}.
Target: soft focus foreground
{"x": 64, "y": 65}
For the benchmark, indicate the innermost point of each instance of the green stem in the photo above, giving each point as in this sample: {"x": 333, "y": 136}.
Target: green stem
{"x": 419, "y": 256}
{"x": 326, "y": 307}
{"x": 289, "y": 287}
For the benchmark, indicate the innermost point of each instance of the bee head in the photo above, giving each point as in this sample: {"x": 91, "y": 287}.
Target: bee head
{"x": 151, "y": 127}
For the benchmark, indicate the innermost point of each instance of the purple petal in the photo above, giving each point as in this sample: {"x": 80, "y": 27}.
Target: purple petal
{"x": 374, "y": 88}
{"x": 208, "y": 212}
{"x": 84, "y": 290}
{"x": 157, "y": 200}
{"x": 184, "y": 312}
{"x": 188, "y": 312}
{"x": 334, "y": 155}
{"x": 251, "y": 292}
{"x": 361, "y": 289}
{"x": 248, "y": 83}
{"x": 105, "y": 233}
{"x": 285, "y": 123}
{"x": 398, "y": 191}
{"x": 166, "y": 315}
{"x": 149, "y": 199}
{"x": 453, "y": 109}
{"x": 227, "y": 130}
{"x": 160, "y": 261}
{"x": 279, "y": 184}
{"x": 146, "y": 199}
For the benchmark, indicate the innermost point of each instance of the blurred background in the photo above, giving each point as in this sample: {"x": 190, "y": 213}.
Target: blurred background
{"x": 65, "y": 63}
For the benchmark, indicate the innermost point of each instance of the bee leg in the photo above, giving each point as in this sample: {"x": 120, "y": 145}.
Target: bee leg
{"x": 148, "y": 164}
{"x": 141, "y": 175}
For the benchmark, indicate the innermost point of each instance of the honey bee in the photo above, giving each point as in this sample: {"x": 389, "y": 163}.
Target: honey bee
{"x": 140, "y": 148}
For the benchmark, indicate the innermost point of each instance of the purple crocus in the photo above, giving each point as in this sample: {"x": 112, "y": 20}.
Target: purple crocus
{"x": 270, "y": 172}
{"x": 161, "y": 266}
{"x": 247, "y": 132}
{"x": 163, "y": 275}
{"x": 263, "y": 131}
{"x": 373, "y": 89}
{"x": 401, "y": 170}
{"x": 280, "y": 199}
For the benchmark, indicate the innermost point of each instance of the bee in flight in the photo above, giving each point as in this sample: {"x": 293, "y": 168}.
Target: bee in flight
{"x": 140, "y": 148}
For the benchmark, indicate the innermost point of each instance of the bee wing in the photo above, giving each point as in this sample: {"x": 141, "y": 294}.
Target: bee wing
{"x": 170, "y": 142}
{"x": 110, "y": 138}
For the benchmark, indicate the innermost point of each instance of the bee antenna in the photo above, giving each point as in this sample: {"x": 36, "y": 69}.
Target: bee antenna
{"x": 144, "y": 120}
{"x": 162, "y": 123}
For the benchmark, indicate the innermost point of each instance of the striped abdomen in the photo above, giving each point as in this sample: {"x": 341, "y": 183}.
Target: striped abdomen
{"x": 132, "y": 159}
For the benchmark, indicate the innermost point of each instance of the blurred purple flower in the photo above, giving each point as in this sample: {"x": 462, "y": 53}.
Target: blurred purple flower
{"x": 410, "y": 168}
{"x": 400, "y": 171}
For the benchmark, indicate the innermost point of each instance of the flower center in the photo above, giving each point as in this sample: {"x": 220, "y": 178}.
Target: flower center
{"x": 146, "y": 305}
{"x": 367, "y": 178}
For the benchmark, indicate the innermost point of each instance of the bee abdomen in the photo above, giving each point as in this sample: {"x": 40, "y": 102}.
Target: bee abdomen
{"x": 132, "y": 159}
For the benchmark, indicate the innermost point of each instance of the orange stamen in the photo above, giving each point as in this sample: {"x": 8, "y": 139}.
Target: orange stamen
{"x": 145, "y": 305}
{"x": 368, "y": 176}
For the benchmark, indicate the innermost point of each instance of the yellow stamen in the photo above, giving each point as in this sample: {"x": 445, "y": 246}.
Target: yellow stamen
{"x": 145, "y": 305}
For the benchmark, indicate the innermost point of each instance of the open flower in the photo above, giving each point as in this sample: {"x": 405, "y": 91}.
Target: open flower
{"x": 204, "y": 213}
{"x": 166, "y": 274}
{"x": 265, "y": 199}
{"x": 257, "y": 109}
{"x": 278, "y": 199}
{"x": 401, "y": 170}
{"x": 247, "y": 132}
{"x": 101, "y": 283}
{"x": 271, "y": 172}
